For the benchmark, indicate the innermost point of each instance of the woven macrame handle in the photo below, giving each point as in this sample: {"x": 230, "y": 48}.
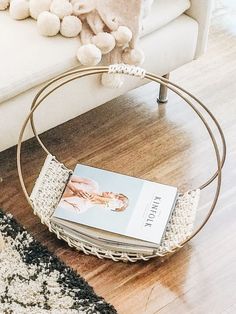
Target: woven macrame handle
{"x": 139, "y": 72}
{"x": 127, "y": 69}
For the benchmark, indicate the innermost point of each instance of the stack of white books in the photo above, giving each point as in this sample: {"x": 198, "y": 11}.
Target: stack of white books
{"x": 114, "y": 211}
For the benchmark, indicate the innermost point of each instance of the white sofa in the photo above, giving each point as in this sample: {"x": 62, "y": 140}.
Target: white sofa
{"x": 173, "y": 34}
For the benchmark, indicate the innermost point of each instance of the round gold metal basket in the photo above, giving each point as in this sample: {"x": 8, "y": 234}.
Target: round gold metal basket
{"x": 54, "y": 175}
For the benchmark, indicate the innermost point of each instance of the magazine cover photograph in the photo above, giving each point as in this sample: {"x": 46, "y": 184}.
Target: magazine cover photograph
{"x": 123, "y": 204}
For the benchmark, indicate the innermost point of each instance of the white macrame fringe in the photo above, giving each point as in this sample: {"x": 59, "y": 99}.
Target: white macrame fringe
{"x": 51, "y": 183}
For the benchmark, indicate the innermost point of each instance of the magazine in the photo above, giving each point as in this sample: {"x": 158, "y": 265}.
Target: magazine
{"x": 113, "y": 209}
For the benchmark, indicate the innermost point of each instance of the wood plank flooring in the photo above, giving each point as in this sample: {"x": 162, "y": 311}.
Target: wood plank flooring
{"x": 166, "y": 143}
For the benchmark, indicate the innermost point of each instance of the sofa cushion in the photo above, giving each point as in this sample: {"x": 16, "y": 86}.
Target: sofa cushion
{"x": 28, "y": 59}
{"x": 162, "y": 12}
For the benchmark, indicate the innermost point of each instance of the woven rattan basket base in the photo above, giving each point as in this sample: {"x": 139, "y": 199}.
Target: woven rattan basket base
{"x": 48, "y": 190}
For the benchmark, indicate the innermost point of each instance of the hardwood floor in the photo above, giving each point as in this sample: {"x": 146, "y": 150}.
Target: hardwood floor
{"x": 166, "y": 143}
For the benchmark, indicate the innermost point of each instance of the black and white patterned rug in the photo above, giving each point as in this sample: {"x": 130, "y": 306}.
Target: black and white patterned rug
{"x": 34, "y": 281}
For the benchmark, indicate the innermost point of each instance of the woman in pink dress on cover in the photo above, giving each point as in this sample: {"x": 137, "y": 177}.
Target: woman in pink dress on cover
{"x": 83, "y": 193}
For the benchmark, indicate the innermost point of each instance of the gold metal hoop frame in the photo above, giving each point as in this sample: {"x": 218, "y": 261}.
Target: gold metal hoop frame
{"x": 132, "y": 71}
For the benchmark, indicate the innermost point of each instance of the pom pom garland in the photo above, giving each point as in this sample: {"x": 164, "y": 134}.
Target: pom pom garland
{"x": 112, "y": 80}
{"x": 99, "y": 32}
{"x": 89, "y": 55}
{"x": 133, "y": 56}
{"x": 19, "y": 9}
{"x": 48, "y": 24}
{"x": 82, "y": 6}
{"x": 123, "y": 36}
{"x": 70, "y": 26}
{"x": 61, "y": 8}
{"x": 104, "y": 41}
{"x": 38, "y": 6}
{"x": 4, "y": 4}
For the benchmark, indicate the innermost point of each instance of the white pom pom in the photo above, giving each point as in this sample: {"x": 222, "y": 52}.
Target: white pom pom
{"x": 48, "y": 24}
{"x": 104, "y": 41}
{"x": 82, "y": 6}
{"x": 122, "y": 35}
{"x": 133, "y": 56}
{"x": 61, "y": 8}
{"x": 38, "y": 6}
{"x": 4, "y": 4}
{"x": 70, "y": 26}
{"x": 19, "y": 9}
{"x": 112, "y": 80}
{"x": 89, "y": 55}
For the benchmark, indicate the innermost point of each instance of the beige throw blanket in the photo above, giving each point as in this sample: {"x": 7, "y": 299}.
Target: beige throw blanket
{"x": 125, "y": 13}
